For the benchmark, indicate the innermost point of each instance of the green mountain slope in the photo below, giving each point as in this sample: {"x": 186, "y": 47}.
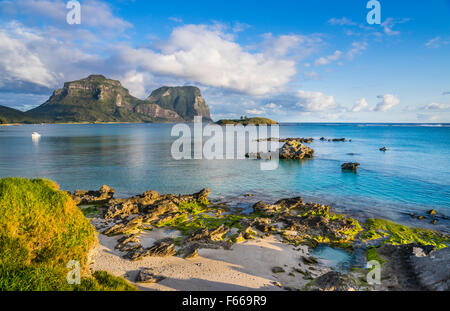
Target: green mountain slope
{"x": 10, "y": 115}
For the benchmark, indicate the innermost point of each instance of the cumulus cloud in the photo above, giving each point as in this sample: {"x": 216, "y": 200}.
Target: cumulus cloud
{"x": 297, "y": 46}
{"x": 387, "y": 102}
{"x": 30, "y": 57}
{"x": 328, "y": 59}
{"x": 314, "y": 101}
{"x": 20, "y": 63}
{"x": 360, "y": 105}
{"x": 436, "y": 106}
{"x": 210, "y": 56}
{"x": 94, "y": 13}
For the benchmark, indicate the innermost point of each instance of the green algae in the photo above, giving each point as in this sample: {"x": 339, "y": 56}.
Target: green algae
{"x": 396, "y": 234}
{"x": 193, "y": 216}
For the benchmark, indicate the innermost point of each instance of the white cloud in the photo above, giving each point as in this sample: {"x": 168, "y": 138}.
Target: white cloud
{"x": 297, "y": 46}
{"x": 360, "y": 105}
{"x": 390, "y": 22}
{"x": 19, "y": 62}
{"x": 328, "y": 59}
{"x": 341, "y": 21}
{"x": 255, "y": 111}
{"x": 208, "y": 56}
{"x": 312, "y": 75}
{"x": 357, "y": 48}
{"x": 315, "y": 101}
{"x": 94, "y": 13}
{"x": 436, "y": 42}
{"x": 387, "y": 102}
{"x": 176, "y": 19}
{"x": 436, "y": 106}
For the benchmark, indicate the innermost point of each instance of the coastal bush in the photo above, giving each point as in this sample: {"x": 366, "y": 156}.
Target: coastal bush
{"x": 41, "y": 230}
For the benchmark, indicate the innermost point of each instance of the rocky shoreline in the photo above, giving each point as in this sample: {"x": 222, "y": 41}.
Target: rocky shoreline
{"x": 187, "y": 228}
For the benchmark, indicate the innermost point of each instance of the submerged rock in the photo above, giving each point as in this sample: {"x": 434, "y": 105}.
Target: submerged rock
{"x": 383, "y": 149}
{"x": 350, "y": 166}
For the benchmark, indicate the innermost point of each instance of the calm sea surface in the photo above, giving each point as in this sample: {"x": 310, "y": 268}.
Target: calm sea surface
{"x": 412, "y": 176}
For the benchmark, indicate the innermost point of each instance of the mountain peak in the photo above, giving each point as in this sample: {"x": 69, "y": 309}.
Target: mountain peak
{"x": 187, "y": 101}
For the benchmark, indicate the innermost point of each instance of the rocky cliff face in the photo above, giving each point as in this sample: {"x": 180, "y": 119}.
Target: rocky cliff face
{"x": 98, "y": 99}
{"x": 94, "y": 98}
{"x": 186, "y": 101}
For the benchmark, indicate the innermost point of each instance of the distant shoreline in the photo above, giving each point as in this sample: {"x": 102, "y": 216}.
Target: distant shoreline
{"x": 443, "y": 124}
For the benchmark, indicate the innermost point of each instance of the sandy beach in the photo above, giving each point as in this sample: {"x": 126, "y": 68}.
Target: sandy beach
{"x": 247, "y": 266}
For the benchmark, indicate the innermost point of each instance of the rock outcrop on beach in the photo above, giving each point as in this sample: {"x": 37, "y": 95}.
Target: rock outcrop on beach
{"x": 98, "y": 99}
{"x": 409, "y": 259}
{"x": 295, "y": 150}
{"x": 416, "y": 267}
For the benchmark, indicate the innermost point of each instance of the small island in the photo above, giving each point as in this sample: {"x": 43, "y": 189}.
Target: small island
{"x": 247, "y": 121}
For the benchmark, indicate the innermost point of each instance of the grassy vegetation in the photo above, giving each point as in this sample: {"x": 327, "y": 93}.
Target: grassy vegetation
{"x": 396, "y": 234}
{"x": 41, "y": 230}
{"x": 247, "y": 121}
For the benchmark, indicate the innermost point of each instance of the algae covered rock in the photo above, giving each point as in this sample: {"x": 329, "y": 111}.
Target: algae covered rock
{"x": 295, "y": 150}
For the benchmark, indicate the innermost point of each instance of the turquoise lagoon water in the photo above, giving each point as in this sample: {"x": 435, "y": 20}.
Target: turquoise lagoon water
{"x": 412, "y": 176}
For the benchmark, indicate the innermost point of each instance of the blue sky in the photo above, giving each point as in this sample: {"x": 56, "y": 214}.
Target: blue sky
{"x": 296, "y": 61}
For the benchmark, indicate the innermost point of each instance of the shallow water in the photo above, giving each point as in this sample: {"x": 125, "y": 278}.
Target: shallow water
{"x": 412, "y": 176}
{"x": 337, "y": 259}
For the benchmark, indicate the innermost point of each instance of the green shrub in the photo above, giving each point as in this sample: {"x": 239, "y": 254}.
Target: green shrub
{"x": 41, "y": 230}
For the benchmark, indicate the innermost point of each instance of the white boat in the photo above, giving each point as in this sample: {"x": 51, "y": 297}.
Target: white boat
{"x": 35, "y": 135}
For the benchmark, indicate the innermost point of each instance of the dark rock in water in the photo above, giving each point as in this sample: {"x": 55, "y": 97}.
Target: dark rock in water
{"x": 434, "y": 221}
{"x": 339, "y": 139}
{"x": 420, "y": 217}
{"x": 278, "y": 270}
{"x": 295, "y": 150}
{"x": 333, "y": 281}
{"x": 352, "y": 166}
{"x": 431, "y": 212}
{"x": 383, "y": 149}
{"x": 148, "y": 276}
{"x": 322, "y": 138}
{"x": 103, "y": 195}
{"x": 412, "y": 215}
